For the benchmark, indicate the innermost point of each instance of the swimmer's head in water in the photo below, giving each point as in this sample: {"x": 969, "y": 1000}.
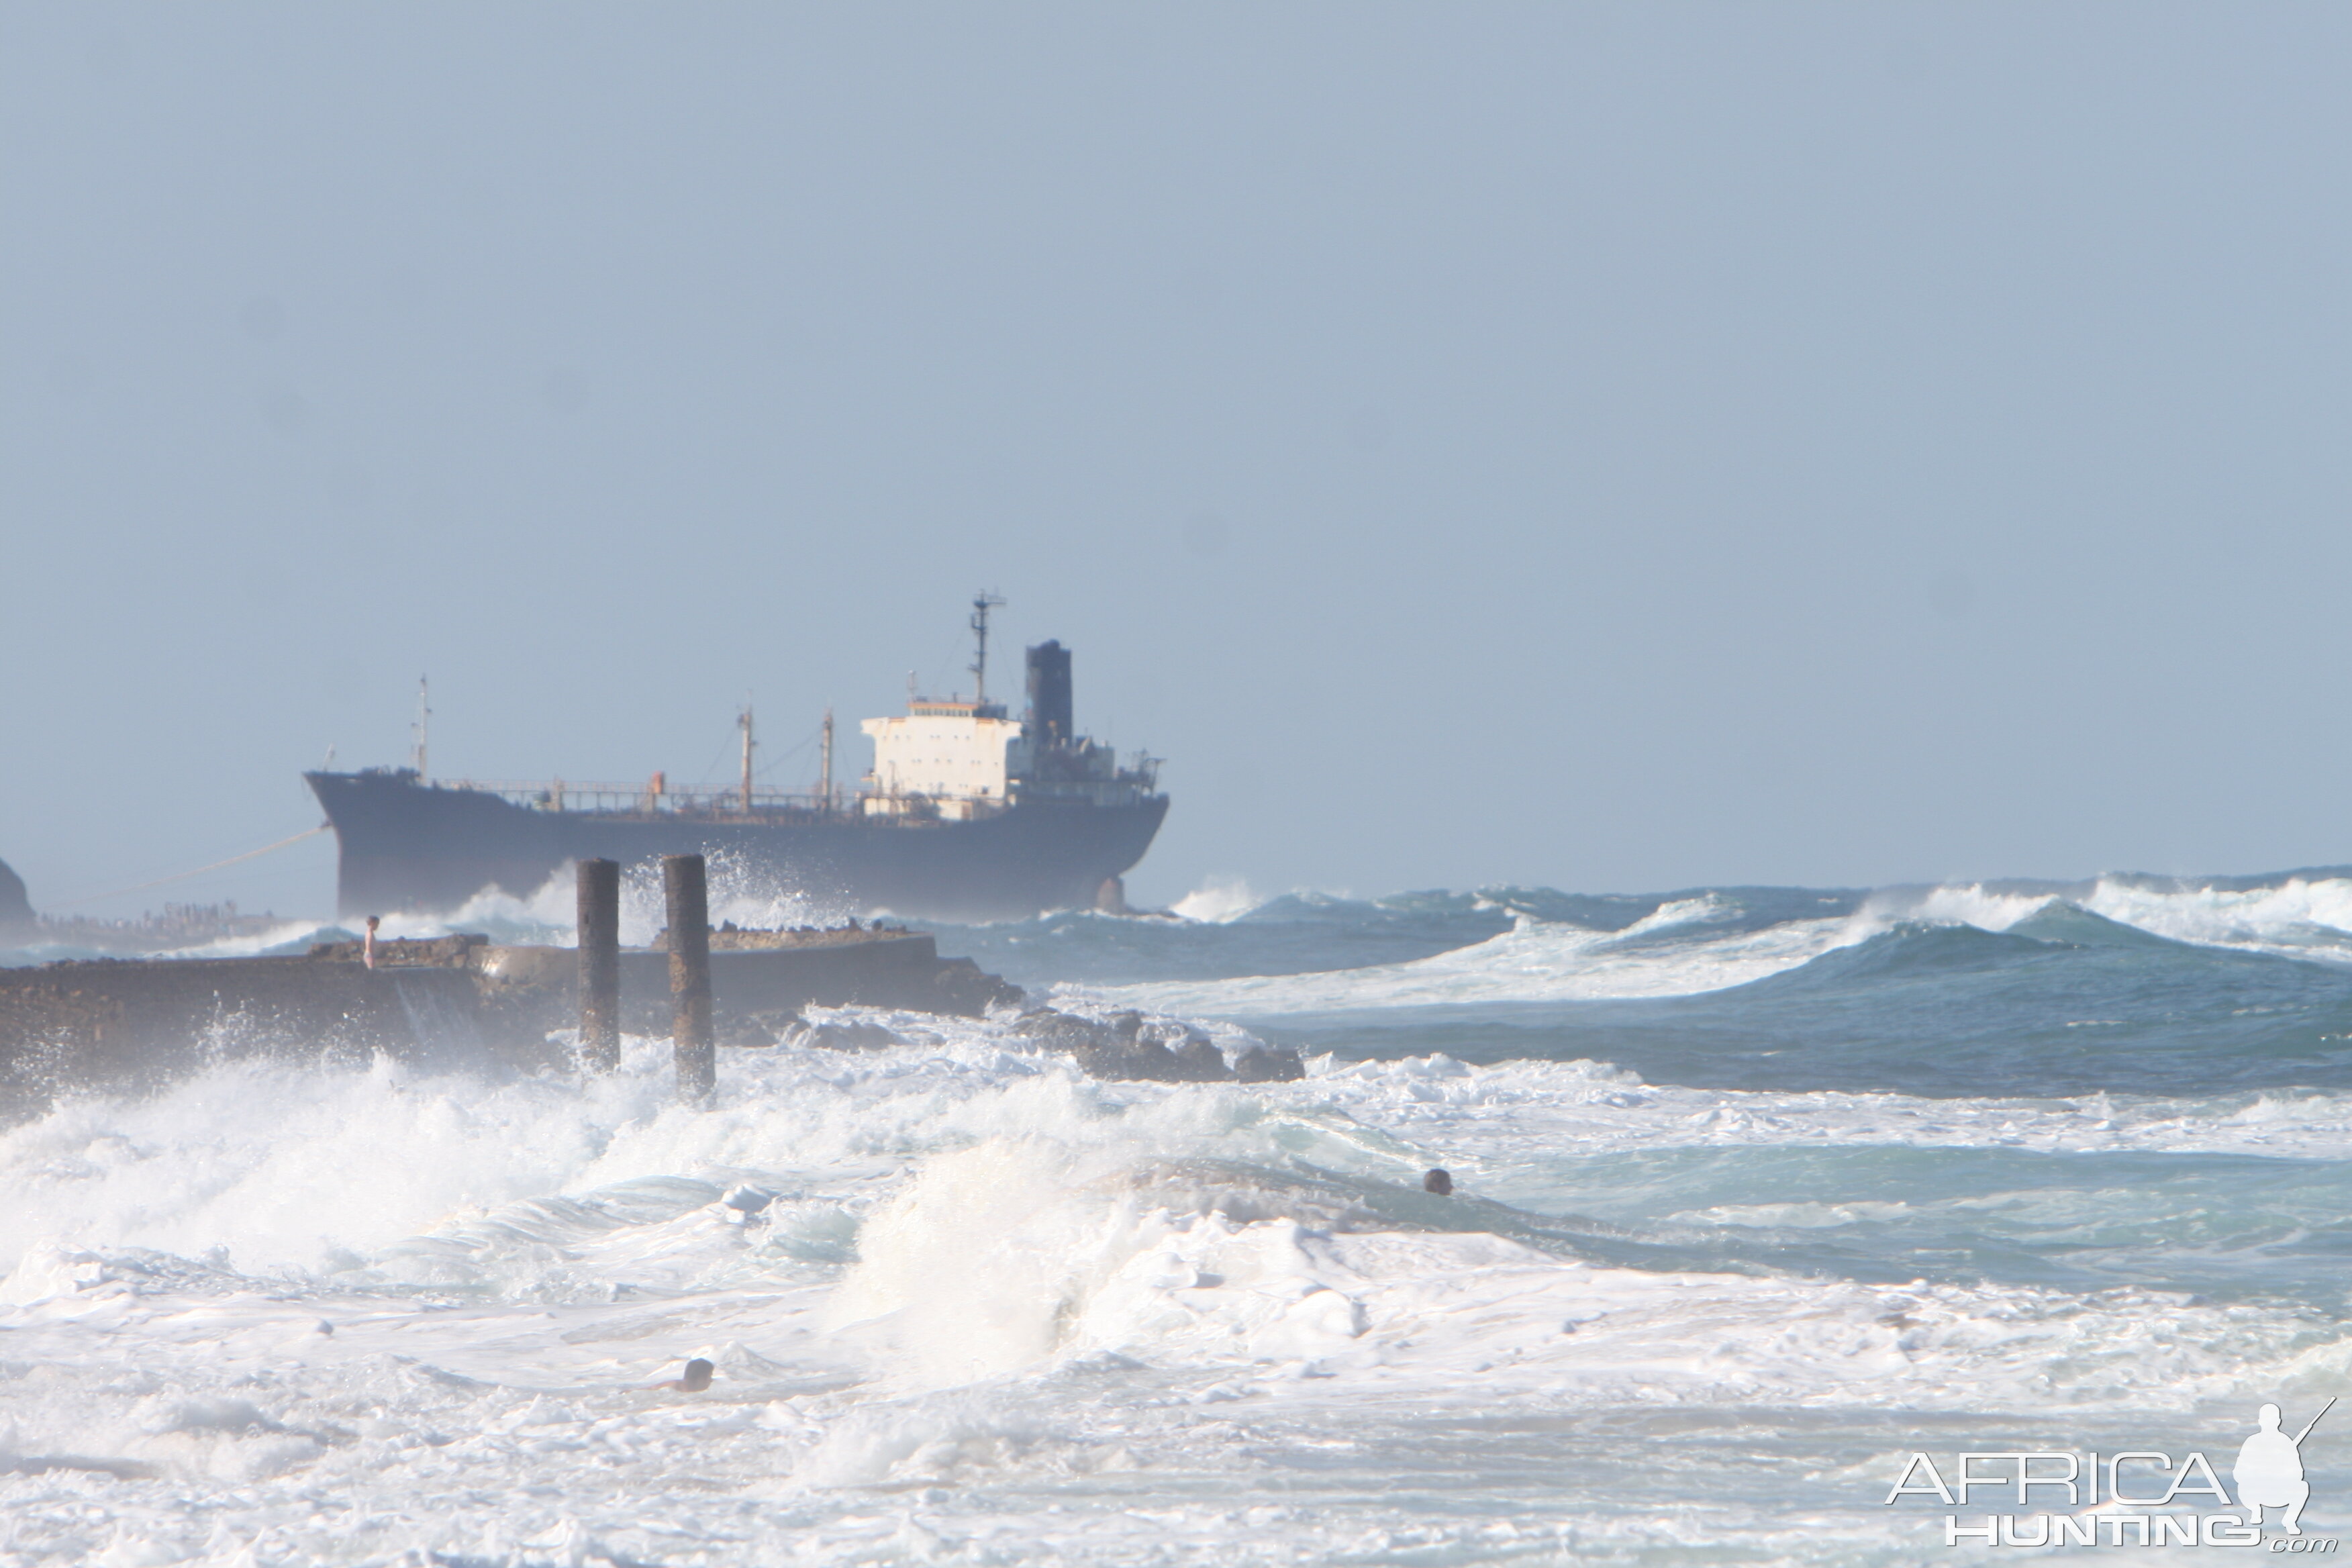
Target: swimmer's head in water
{"x": 697, "y": 1378}
{"x": 1439, "y": 1182}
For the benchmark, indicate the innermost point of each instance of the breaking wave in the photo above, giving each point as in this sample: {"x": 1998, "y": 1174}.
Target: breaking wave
{"x": 1800, "y": 1176}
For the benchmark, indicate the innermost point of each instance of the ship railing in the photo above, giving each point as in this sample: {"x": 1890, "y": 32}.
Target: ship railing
{"x": 664, "y": 799}
{"x": 702, "y": 801}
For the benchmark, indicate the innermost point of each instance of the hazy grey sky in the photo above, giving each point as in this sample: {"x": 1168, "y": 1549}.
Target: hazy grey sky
{"x": 1615, "y": 446}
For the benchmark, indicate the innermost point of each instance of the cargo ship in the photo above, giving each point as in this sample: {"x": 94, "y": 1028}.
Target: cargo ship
{"x": 967, "y": 814}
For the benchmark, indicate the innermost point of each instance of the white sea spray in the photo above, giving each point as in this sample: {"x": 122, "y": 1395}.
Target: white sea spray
{"x": 965, "y": 1303}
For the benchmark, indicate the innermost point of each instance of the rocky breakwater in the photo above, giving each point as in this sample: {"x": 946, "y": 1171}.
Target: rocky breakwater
{"x": 1123, "y": 1044}
{"x": 454, "y": 1001}
{"x": 1127, "y": 1045}
{"x": 464, "y": 1001}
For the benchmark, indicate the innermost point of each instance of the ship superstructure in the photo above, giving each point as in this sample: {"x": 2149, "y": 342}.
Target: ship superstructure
{"x": 961, "y": 760}
{"x": 967, "y": 813}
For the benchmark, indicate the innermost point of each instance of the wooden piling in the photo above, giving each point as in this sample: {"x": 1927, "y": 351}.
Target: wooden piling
{"x": 684, "y": 880}
{"x": 600, "y": 964}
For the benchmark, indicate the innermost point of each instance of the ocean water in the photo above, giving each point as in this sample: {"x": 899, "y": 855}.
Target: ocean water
{"x": 1758, "y": 1191}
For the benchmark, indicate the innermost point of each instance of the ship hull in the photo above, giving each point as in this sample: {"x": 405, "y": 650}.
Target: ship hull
{"x": 406, "y": 846}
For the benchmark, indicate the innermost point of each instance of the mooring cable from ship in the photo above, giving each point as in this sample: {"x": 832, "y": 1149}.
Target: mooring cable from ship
{"x": 184, "y": 876}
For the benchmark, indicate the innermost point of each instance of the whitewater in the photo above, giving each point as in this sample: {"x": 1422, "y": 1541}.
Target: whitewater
{"x": 1756, "y": 1193}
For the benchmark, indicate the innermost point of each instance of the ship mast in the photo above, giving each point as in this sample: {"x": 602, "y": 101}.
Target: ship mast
{"x": 416, "y": 731}
{"x": 981, "y": 605}
{"x": 825, "y": 790}
{"x": 743, "y": 721}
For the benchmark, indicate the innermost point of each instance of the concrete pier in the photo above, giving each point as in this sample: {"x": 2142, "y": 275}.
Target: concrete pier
{"x": 464, "y": 1004}
{"x": 684, "y": 882}
{"x": 600, "y": 964}
{"x": 453, "y": 1003}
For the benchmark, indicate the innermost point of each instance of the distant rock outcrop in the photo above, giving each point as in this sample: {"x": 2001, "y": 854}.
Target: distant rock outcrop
{"x": 1123, "y": 1046}
{"x": 1126, "y": 1046}
{"x": 16, "y": 909}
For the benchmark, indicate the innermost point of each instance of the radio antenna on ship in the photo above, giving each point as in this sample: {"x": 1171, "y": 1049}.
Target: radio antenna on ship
{"x": 826, "y": 790}
{"x": 743, "y": 720}
{"x": 416, "y": 731}
{"x": 980, "y": 608}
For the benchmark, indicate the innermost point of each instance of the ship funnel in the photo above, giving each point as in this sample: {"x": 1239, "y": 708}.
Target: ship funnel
{"x": 1050, "y": 718}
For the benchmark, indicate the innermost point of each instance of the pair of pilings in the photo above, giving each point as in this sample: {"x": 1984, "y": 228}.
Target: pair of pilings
{"x": 685, "y": 882}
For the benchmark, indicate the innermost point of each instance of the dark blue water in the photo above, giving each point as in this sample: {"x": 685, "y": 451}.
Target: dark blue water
{"x": 2064, "y": 1001}
{"x": 2137, "y": 1002}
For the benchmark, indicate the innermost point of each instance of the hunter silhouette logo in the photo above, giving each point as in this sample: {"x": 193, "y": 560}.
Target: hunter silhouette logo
{"x": 2138, "y": 1497}
{"x": 2269, "y": 1472}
